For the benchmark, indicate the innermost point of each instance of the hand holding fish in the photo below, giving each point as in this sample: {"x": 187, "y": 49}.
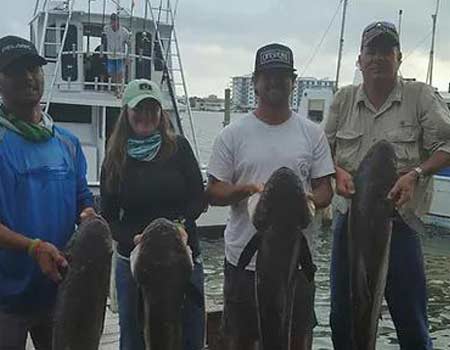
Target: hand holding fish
{"x": 403, "y": 190}
{"x": 50, "y": 260}
{"x": 87, "y": 213}
{"x": 251, "y": 189}
{"x": 344, "y": 183}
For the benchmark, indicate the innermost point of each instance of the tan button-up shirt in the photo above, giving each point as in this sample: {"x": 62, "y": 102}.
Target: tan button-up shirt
{"x": 414, "y": 119}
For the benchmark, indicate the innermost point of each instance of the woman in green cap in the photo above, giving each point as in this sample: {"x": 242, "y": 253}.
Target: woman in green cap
{"x": 148, "y": 173}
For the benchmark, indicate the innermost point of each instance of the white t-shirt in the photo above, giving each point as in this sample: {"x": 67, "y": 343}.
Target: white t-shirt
{"x": 250, "y": 150}
{"x": 116, "y": 40}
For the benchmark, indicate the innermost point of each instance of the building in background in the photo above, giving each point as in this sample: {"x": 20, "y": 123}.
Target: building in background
{"x": 242, "y": 93}
{"x": 211, "y": 103}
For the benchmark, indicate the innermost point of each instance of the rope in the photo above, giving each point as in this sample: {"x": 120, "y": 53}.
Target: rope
{"x": 314, "y": 54}
{"x": 417, "y": 46}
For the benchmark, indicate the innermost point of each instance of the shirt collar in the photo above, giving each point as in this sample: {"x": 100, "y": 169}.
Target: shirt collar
{"x": 395, "y": 95}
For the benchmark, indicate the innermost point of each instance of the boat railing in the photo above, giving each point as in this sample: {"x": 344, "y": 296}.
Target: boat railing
{"x": 97, "y": 80}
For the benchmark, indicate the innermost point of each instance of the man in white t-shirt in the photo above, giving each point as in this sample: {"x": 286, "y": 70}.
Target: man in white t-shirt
{"x": 244, "y": 156}
{"x": 117, "y": 41}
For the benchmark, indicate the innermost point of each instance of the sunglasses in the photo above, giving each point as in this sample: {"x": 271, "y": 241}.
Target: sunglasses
{"x": 386, "y": 26}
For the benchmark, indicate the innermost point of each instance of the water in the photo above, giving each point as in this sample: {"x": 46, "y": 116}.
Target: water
{"x": 436, "y": 246}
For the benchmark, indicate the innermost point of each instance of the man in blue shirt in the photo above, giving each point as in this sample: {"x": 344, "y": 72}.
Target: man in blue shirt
{"x": 43, "y": 194}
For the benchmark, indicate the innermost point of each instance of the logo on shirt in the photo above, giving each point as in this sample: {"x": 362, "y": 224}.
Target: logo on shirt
{"x": 303, "y": 171}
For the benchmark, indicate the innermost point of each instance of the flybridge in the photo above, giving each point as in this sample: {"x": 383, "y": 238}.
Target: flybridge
{"x": 80, "y": 93}
{"x": 73, "y": 41}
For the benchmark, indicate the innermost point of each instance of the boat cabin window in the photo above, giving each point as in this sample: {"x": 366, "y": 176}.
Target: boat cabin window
{"x": 159, "y": 59}
{"x": 50, "y": 43}
{"x": 69, "y": 59}
{"x": 94, "y": 61}
{"x": 64, "y": 113}
{"x": 143, "y": 52}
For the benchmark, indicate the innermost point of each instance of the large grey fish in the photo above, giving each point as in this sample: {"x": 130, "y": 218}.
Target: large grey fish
{"x": 162, "y": 270}
{"x": 81, "y": 299}
{"x": 280, "y": 216}
{"x": 369, "y": 238}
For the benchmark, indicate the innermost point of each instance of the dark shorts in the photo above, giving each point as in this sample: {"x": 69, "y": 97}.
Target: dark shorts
{"x": 114, "y": 66}
{"x": 240, "y": 314}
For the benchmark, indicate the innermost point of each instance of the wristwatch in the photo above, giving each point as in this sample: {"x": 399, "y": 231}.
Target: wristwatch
{"x": 418, "y": 172}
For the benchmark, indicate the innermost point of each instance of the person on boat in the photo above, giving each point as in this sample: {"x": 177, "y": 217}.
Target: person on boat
{"x": 117, "y": 44}
{"x": 148, "y": 173}
{"x": 244, "y": 156}
{"x": 43, "y": 194}
{"x": 413, "y": 117}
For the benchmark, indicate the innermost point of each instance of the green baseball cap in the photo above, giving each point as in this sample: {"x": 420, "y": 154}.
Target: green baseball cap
{"x": 140, "y": 89}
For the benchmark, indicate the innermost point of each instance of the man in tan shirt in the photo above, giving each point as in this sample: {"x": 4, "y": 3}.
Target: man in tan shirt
{"x": 413, "y": 117}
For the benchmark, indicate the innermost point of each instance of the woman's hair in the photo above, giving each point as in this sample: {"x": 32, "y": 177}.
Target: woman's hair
{"x": 116, "y": 151}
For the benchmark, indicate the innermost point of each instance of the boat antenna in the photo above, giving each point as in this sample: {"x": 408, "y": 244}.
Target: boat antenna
{"x": 175, "y": 10}
{"x": 103, "y": 39}
{"x": 433, "y": 37}
{"x": 400, "y": 16}
{"x": 341, "y": 45}
{"x": 88, "y": 28}
{"x": 131, "y": 15}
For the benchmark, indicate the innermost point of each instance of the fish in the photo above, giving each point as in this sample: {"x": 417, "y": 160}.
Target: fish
{"x": 162, "y": 269}
{"x": 81, "y": 296}
{"x": 280, "y": 216}
{"x": 369, "y": 239}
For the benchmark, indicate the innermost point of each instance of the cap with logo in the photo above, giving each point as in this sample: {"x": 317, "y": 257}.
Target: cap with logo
{"x": 14, "y": 49}
{"x": 274, "y": 56}
{"x": 380, "y": 28}
{"x": 141, "y": 89}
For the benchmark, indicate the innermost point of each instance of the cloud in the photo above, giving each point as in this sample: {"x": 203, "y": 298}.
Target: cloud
{"x": 218, "y": 39}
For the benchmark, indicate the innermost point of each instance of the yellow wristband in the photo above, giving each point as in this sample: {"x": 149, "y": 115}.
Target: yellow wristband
{"x": 34, "y": 243}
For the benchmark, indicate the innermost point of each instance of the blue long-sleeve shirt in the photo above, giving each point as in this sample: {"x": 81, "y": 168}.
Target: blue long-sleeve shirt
{"x": 43, "y": 189}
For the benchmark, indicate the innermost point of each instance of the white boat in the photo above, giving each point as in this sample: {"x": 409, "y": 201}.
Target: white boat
{"x": 439, "y": 213}
{"x": 77, "y": 94}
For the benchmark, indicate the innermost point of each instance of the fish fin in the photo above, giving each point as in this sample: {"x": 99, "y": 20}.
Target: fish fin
{"x": 249, "y": 251}
{"x": 305, "y": 259}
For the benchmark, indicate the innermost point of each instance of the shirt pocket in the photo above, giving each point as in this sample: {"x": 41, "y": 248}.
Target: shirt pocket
{"x": 348, "y": 145}
{"x": 45, "y": 171}
{"x": 405, "y": 142}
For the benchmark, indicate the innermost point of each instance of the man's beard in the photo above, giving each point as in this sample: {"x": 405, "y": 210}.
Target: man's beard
{"x": 276, "y": 97}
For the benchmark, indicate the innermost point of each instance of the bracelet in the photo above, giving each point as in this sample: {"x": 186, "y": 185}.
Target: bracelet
{"x": 33, "y": 247}
{"x": 179, "y": 223}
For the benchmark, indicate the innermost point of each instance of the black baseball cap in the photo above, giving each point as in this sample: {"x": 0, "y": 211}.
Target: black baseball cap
{"x": 15, "y": 49}
{"x": 274, "y": 56}
{"x": 380, "y": 28}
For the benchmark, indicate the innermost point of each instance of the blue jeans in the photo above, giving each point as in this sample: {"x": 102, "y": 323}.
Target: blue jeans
{"x": 127, "y": 295}
{"x": 405, "y": 291}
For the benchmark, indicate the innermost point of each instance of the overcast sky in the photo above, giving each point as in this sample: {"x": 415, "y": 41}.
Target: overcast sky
{"x": 218, "y": 38}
